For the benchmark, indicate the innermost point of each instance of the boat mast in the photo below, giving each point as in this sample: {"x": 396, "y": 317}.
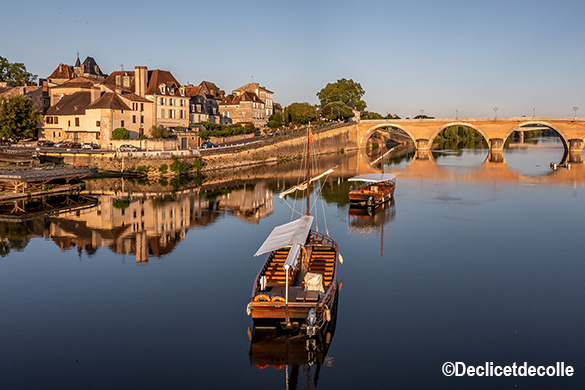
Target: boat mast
{"x": 308, "y": 169}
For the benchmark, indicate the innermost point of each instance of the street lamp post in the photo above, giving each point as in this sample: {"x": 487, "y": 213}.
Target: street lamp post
{"x": 456, "y": 114}
{"x": 496, "y": 112}
{"x": 421, "y": 114}
{"x": 575, "y": 109}
{"x": 533, "y": 113}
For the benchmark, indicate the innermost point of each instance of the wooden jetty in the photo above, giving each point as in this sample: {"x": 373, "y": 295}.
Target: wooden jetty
{"x": 26, "y": 180}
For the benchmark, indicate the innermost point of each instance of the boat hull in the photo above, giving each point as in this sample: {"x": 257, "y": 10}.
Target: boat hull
{"x": 365, "y": 197}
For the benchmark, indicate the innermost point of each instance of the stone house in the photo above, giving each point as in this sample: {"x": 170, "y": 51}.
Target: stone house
{"x": 264, "y": 94}
{"x": 204, "y": 102}
{"x": 244, "y": 107}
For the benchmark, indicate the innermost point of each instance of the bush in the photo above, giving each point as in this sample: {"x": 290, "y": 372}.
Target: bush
{"x": 120, "y": 133}
{"x": 163, "y": 168}
{"x": 180, "y": 167}
{"x": 159, "y": 132}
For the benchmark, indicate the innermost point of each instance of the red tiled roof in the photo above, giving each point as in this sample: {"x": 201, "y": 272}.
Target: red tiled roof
{"x": 109, "y": 100}
{"x": 63, "y": 71}
{"x": 158, "y": 77}
{"x": 74, "y": 104}
{"x": 78, "y": 82}
{"x": 244, "y": 97}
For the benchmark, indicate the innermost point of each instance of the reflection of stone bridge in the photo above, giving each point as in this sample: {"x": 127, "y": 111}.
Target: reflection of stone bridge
{"x": 494, "y": 130}
{"x": 493, "y": 170}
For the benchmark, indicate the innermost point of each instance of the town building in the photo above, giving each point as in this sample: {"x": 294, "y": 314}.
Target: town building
{"x": 204, "y": 102}
{"x": 264, "y": 94}
{"x": 244, "y": 107}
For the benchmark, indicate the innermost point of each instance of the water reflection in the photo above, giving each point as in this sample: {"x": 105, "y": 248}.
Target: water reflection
{"x": 295, "y": 354}
{"x": 147, "y": 219}
{"x": 144, "y": 225}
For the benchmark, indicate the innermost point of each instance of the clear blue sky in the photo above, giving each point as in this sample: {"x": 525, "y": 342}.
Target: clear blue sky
{"x": 468, "y": 56}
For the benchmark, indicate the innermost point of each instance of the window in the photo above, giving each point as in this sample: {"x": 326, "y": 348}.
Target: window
{"x": 97, "y": 124}
{"x": 97, "y": 135}
{"x": 133, "y": 118}
{"x": 121, "y": 123}
{"x": 141, "y": 106}
{"x": 171, "y": 101}
{"x": 141, "y": 119}
{"x": 162, "y": 113}
{"x": 56, "y": 120}
{"x": 53, "y": 134}
{"x": 49, "y": 119}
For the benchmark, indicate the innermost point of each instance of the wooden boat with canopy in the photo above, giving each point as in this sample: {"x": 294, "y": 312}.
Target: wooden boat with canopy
{"x": 296, "y": 287}
{"x": 377, "y": 189}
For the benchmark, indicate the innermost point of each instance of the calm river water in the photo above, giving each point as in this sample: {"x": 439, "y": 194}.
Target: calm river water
{"x": 473, "y": 262}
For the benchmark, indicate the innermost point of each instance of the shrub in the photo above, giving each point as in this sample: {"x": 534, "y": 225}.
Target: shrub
{"x": 180, "y": 167}
{"x": 120, "y": 133}
{"x": 163, "y": 168}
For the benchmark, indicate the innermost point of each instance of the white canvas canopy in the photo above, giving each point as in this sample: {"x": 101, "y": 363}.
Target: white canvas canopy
{"x": 373, "y": 177}
{"x": 294, "y": 232}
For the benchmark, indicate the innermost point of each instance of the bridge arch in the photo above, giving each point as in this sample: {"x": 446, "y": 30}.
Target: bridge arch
{"x": 561, "y": 134}
{"x": 364, "y": 138}
{"x": 465, "y": 124}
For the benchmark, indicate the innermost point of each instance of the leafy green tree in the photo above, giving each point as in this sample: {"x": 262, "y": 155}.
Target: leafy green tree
{"x": 343, "y": 91}
{"x": 120, "y": 133}
{"x": 15, "y": 73}
{"x": 371, "y": 115}
{"x": 159, "y": 132}
{"x": 300, "y": 113}
{"x": 275, "y": 120}
{"x": 337, "y": 110}
{"x": 18, "y": 117}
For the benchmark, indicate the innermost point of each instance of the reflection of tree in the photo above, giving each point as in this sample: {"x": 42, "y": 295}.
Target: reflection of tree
{"x": 333, "y": 192}
{"x": 16, "y": 235}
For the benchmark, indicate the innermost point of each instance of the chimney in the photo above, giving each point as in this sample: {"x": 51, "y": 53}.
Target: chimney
{"x": 118, "y": 79}
{"x": 95, "y": 94}
{"x": 140, "y": 76}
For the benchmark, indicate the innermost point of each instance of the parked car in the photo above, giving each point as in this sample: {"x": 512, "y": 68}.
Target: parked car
{"x": 89, "y": 145}
{"x": 258, "y": 133}
{"x": 128, "y": 148}
{"x": 208, "y": 144}
{"x": 45, "y": 143}
{"x": 61, "y": 144}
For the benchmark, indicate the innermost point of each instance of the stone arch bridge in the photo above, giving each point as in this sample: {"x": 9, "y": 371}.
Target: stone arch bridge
{"x": 494, "y": 130}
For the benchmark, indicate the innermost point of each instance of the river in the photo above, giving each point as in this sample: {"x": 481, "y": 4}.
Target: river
{"x": 137, "y": 287}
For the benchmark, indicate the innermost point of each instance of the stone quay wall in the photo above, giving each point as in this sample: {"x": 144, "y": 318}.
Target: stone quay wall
{"x": 272, "y": 150}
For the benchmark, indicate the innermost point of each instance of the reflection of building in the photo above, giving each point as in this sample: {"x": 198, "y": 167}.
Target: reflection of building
{"x": 153, "y": 225}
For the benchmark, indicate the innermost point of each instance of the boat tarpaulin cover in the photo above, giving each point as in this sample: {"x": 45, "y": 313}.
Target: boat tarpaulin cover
{"x": 294, "y": 232}
{"x": 314, "y": 282}
{"x": 373, "y": 177}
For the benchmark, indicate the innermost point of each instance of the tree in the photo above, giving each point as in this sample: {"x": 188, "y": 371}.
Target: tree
{"x": 343, "y": 91}
{"x": 15, "y": 74}
{"x": 120, "y": 133}
{"x": 337, "y": 110}
{"x": 275, "y": 120}
{"x": 300, "y": 113}
{"x": 371, "y": 115}
{"x": 18, "y": 117}
{"x": 159, "y": 132}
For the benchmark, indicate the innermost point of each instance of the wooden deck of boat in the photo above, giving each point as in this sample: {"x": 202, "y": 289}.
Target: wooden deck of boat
{"x": 275, "y": 274}
{"x": 323, "y": 262}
